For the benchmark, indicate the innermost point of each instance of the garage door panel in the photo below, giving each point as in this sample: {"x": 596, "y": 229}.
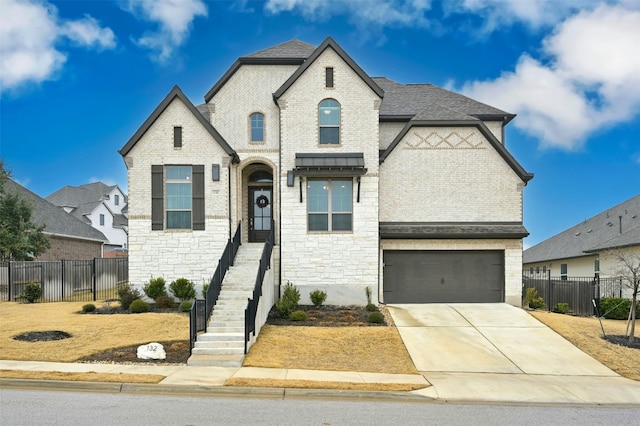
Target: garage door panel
{"x": 412, "y": 276}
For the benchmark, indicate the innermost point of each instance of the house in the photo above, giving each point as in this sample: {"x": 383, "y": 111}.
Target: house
{"x": 70, "y": 237}
{"x": 581, "y": 251}
{"x": 407, "y": 189}
{"x": 104, "y": 207}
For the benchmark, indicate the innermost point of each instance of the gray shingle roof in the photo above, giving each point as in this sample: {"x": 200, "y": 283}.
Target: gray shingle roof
{"x": 55, "y": 219}
{"x": 75, "y": 196}
{"x": 618, "y": 226}
{"x": 289, "y": 49}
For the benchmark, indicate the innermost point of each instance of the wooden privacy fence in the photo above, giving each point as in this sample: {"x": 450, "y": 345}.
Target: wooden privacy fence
{"x": 65, "y": 280}
{"x": 578, "y": 292}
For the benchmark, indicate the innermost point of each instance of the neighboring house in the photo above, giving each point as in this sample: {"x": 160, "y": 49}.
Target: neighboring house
{"x": 407, "y": 189}
{"x": 70, "y": 238}
{"x": 581, "y": 251}
{"x": 102, "y": 206}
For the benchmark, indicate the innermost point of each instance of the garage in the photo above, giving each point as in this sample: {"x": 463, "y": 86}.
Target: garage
{"x": 431, "y": 276}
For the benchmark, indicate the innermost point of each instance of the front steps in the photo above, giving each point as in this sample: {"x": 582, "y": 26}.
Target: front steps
{"x": 222, "y": 344}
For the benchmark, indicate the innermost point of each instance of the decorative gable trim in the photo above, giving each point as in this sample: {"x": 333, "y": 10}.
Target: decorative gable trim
{"x": 511, "y": 161}
{"x": 177, "y": 93}
{"x": 328, "y": 42}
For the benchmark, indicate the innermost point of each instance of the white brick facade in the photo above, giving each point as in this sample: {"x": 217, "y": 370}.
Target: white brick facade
{"x": 443, "y": 174}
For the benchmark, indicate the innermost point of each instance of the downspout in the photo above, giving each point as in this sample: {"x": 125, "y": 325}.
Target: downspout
{"x": 229, "y": 199}
{"x": 279, "y": 198}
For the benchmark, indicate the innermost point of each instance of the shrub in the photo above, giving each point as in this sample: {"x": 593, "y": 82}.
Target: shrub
{"x": 32, "y": 292}
{"x": 371, "y": 307}
{"x": 186, "y": 305}
{"x": 155, "y": 288}
{"x": 318, "y": 297}
{"x": 183, "y": 289}
{"x": 164, "y": 301}
{"x": 138, "y": 306}
{"x": 205, "y": 287}
{"x": 616, "y": 308}
{"x": 561, "y": 308}
{"x": 298, "y": 316}
{"x": 532, "y": 300}
{"x": 89, "y": 307}
{"x": 289, "y": 300}
{"x": 126, "y": 295}
{"x": 376, "y": 318}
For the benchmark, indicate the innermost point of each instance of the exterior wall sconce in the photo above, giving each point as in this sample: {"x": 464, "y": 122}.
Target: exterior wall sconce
{"x": 290, "y": 178}
{"x": 215, "y": 172}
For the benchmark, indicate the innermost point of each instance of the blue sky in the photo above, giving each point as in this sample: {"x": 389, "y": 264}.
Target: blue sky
{"x": 77, "y": 79}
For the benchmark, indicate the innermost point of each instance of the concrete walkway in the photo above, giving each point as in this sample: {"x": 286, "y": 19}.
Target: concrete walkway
{"x": 465, "y": 353}
{"x": 500, "y": 353}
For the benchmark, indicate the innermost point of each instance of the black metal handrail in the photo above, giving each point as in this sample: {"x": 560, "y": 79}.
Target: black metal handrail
{"x": 198, "y": 316}
{"x": 251, "y": 310}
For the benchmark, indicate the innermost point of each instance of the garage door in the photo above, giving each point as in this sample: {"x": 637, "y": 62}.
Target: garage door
{"x": 443, "y": 276}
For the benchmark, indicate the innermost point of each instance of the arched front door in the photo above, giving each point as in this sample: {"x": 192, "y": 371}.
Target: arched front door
{"x": 260, "y": 205}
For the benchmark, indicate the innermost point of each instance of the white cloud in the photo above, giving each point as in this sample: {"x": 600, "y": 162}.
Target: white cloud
{"x": 29, "y": 33}
{"x": 591, "y": 82}
{"x": 374, "y": 12}
{"x": 174, "y": 18}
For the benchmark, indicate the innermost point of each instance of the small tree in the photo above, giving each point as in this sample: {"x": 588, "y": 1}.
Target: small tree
{"x": 20, "y": 238}
{"x": 628, "y": 269}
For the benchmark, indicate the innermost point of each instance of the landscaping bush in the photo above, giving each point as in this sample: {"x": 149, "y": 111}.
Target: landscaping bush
{"x": 88, "y": 308}
{"x": 186, "y": 305}
{"x": 376, "y": 318}
{"x": 561, "y": 308}
{"x": 126, "y": 295}
{"x": 155, "y": 288}
{"x": 532, "y": 300}
{"x": 318, "y": 297}
{"x": 371, "y": 307}
{"x": 138, "y": 306}
{"x": 289, "y": 300}
{"x": 164, "y": 301}
{"x": 616, "y": 308}
{"x": 183, "y": 289}
{"x": 32, "y": 292}
{"x": 298, "y": 316}
{"x": 205, "y": 287}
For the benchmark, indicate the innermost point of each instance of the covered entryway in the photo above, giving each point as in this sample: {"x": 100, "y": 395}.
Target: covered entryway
{"x": 259, "y": 203}
{"x": 433, "y": 276}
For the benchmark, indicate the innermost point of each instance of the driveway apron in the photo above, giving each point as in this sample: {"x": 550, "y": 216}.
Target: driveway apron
{"x": 498, "y": 352}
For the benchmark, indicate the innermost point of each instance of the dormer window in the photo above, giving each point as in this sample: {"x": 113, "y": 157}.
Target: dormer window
{"x": 177, "y": 137}
{"x": 328, "y": 77}
{"x": 257, "y": 127}
{"x": 329, "y": 121}
{"x": 116, "y": 199}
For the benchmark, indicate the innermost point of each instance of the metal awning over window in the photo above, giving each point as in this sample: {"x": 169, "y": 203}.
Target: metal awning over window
{"x": 325, "y": 164}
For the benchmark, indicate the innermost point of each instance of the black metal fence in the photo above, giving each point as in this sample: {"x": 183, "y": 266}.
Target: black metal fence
{"x": 578, "y": 292}
{"x": 66, "y": 280}
{"x": 201, "y": 310}
{"x": 252, "y": 304}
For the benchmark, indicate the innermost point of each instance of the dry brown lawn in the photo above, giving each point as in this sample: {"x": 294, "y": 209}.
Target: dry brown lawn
{"x": 90, "y": 333}
{"x": 585, "y": 333}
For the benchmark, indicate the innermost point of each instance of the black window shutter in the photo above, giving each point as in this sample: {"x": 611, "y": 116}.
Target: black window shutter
{"x": 328, "y": 77}
{"x": 197, "y": 197}
{"x": 157, "y": 198}
{"x": 177, "y": 137}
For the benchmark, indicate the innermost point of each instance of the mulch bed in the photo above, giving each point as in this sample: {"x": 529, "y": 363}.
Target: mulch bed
{"x": 177, "y": 353}
{"x": 42, "y": 336}
{"x": 624, "y": 341}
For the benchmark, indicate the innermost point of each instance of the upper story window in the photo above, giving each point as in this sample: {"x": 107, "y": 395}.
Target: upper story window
{"x": 177, "y": 137}
{"x": 116, "y": 199}
{"x": 101, "y": 220}
{"x": 329, "y": 121}
{"x": 178, "y": 197}
{"x": 329, "y": 204}
{"x": 257, "y": 127}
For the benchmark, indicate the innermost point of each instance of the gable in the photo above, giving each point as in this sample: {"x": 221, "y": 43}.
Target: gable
{"x": 174, "y": 94}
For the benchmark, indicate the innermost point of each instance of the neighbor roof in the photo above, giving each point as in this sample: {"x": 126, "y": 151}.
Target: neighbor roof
{"x": 54, "y": 218}
{"x": 618, "y": 226}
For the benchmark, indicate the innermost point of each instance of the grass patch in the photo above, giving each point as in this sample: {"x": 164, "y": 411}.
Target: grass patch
{"x": 310, "y": 384}
{"x": 82, "y": 377}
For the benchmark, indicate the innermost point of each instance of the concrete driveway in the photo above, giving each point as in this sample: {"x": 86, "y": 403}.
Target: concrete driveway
{"x": 497, "y": 352}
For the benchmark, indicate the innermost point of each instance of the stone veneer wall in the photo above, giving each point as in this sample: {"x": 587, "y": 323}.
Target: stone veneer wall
{"x": 176, "y": 253}
{"x": 512, "y": 259}
{"x": 341, "y": 263}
